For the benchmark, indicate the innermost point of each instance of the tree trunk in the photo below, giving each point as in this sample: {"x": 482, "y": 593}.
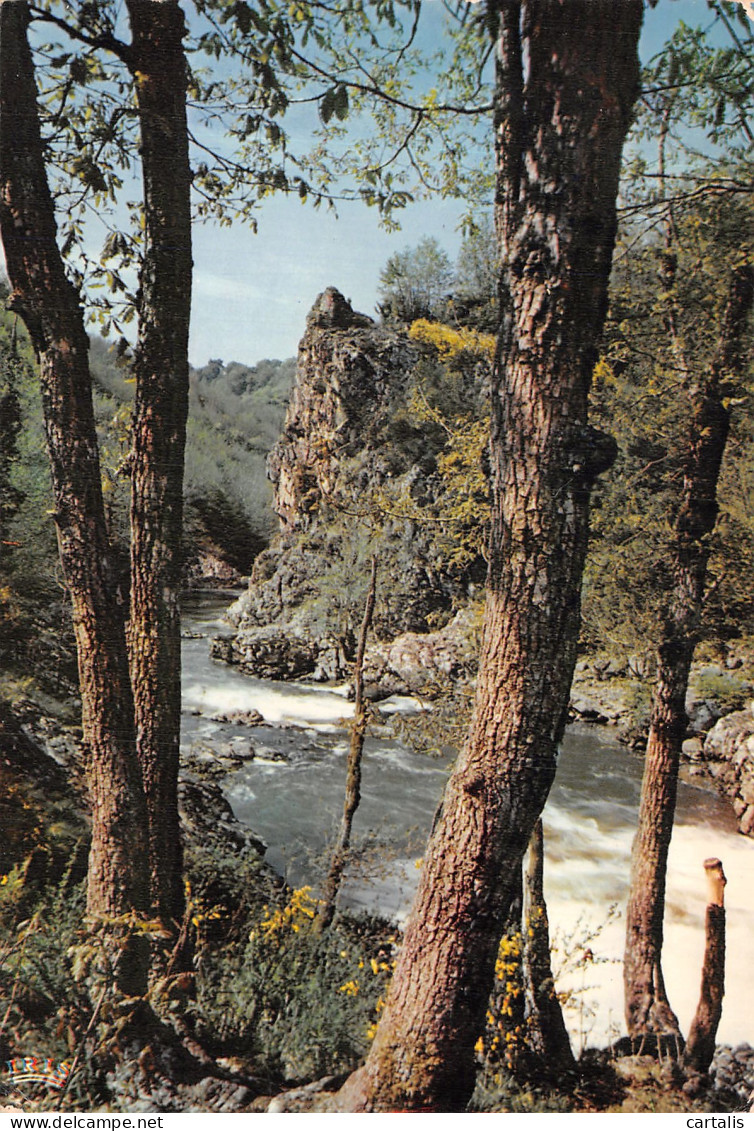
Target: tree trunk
{"x": 157, "y": 62}
{"x": 546, "y": 1034}
{"x": 567, "y": 76}
{"x": 700, "y": 1049}
{"x": 51, "y": 308}
{"x": 353, "y": 769}
{"x": 648, "y": 1013}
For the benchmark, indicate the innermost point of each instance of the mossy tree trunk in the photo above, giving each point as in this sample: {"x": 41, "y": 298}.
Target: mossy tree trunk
{"x": 567, "y": 77}
{"x": 131, "y": 699}
{"x": 157, "y": 62}
{"x": 546, "y": 1033}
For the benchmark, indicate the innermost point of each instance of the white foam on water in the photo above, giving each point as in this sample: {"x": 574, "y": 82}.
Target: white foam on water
{"x": 574, "y": 908}
{"x": 299, "y": 704}
{"x": 586, "y": 907}
{"x": 589, "y": 828}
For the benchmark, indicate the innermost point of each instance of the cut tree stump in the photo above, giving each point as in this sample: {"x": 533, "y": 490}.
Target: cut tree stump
{"x": 700, "y": 1047}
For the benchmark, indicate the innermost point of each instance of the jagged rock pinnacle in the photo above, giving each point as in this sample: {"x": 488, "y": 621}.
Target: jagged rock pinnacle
{"x": 332, "y": 311}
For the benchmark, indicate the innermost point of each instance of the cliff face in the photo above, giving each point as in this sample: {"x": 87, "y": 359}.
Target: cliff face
{"x": 350, "y": 440}
{"x": 350, "y": 372}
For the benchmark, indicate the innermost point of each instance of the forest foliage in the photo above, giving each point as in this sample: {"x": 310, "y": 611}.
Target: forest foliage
{"x": 236, "y": 416}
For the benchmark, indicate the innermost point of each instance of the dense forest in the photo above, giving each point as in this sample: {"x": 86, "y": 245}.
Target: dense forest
{"x": 235, "y": 418}
{"x": 531, "y": 469}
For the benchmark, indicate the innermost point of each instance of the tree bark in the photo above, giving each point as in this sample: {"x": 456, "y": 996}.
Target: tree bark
{"x": 567, "y": 77}
{"x": 700, "y": 1048}
{"x": 648, "y": 1012}
{"x": 353, "y": 769}
{"x": 157, "y": 62}
{"x": 51, "y": 308}
{"x": 546, "y": 1034}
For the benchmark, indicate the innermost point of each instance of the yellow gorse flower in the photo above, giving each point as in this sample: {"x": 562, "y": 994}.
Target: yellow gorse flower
{"x": 297, "y": 913}
{"x": 449, "y": 342}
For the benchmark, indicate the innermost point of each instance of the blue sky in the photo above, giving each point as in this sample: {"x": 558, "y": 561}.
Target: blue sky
{"x": 252, "y": 292}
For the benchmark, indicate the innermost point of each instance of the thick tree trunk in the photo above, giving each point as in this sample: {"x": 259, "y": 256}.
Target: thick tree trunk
{"x": 352, "y": 797}
{"x": 648, "y": 1013}
{"x": 566, "y": 81}
{"x": 50, "y": 306}
{"x": 156, "y": 60}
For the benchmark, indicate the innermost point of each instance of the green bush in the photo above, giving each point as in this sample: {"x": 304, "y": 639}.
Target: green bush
{"x": 729, "y": 692}
{"x": 45, "y": 1011}
{"x": 302, "y": 1005}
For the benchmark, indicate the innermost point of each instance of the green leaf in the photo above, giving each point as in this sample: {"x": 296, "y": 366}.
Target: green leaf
{"x": 340, "y": 103}
{"x": 327, "y": 106}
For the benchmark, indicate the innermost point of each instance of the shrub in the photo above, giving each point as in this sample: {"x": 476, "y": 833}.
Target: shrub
{"x": 301, "y": 1004}
{"x": 731, "y": 693}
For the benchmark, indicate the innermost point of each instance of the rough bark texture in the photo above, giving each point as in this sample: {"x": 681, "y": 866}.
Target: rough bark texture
{"x": 51, "y": 308}
{"x": 700, "y": 1048}
{"x": 546, "y": 1033}
{"x": 647, "y": 1009}
{"x": 157, "y": 62}
{"x": 566, "y": 81}
{"x": 353, "y": 768}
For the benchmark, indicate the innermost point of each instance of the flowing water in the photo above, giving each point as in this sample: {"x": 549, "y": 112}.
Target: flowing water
{"x": 291, "y": 794}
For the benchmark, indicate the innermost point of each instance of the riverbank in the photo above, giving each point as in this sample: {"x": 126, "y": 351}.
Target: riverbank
{"x": 251, "y": 745}
{"x": 437, "y": 666}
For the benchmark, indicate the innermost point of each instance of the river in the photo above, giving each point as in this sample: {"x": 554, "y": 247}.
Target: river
{"x": 291, "y": 795}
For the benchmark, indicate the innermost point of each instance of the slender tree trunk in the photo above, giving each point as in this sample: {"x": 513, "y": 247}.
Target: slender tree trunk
{"x": 546, "y": 1033}
{"x": 157, "y": 62}
{"x": 700, "y": 1049}
{"x": 647, "y": 1009}
{"x": 567, "y": 76}
{"x": 353, "y": 769}
{"x": 51, "y": 308}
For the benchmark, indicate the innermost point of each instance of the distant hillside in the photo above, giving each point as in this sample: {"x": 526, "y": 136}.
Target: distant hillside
{"x": 236, "y": 414}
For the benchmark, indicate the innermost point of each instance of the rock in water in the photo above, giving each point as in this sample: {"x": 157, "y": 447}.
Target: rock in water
{"x": 350, "y": 472}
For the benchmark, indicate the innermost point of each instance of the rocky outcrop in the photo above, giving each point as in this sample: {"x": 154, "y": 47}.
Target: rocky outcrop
{"x": 208, "y": 569}
{"x": 729, "y": 760}
{"x": 350, "y": 374}
{"x": 420, "y": 663}
{"x": 351, "y": 441}
{"x": 411, "y": 664}
{"x": 618, "y": 693}
{"x": 270, "y": 653}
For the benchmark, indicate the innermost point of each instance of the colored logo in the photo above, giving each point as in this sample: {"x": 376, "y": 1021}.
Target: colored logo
{"x": 39, "y": 1070}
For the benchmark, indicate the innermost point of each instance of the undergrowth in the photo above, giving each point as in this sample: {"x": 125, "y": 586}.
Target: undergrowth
{"x": 285, "y": 1004}
{"x": 299, "y": 1005}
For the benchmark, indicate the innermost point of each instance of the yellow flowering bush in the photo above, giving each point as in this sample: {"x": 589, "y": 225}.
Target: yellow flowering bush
{"x": 299, "y": 1000}
{"x": 449, "y": 341}
{"x": 505, "y": 1026}
{"x": 299, "y": 912}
